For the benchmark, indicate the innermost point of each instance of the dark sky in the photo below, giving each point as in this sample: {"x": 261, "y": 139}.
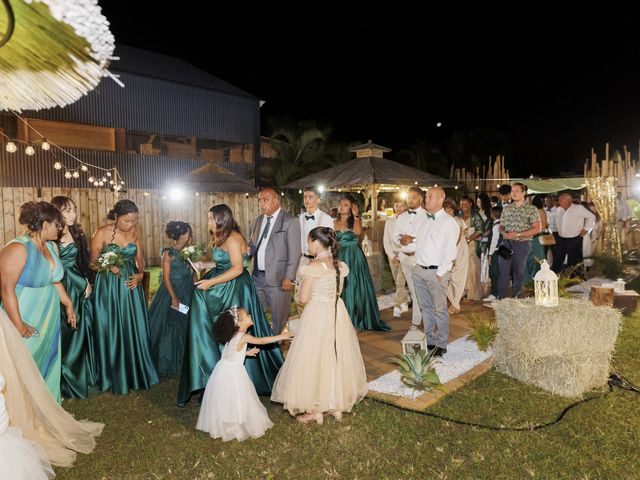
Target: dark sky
{"x": 557, "y": 83}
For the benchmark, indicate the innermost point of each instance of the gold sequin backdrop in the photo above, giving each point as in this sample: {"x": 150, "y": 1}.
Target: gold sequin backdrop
{"x": 603, "y": 190}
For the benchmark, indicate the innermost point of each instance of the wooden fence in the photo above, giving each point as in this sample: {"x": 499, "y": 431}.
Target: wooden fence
{"x": 483, "y": 179}
{"x": 155, "y": 211}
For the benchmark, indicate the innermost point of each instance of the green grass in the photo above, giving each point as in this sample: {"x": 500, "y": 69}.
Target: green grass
{"x": 148, "y": 437}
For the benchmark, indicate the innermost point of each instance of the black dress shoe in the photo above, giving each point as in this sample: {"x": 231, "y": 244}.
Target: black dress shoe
{"x": 439, "y": 352}
{"x": 430, "y": 347}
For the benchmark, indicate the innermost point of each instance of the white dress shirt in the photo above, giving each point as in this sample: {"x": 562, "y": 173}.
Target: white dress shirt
{"x": 552, "y": 214}
{"x": 571, "y": 221}
{"x": 495, "y": 236}
{"x": 408, "y": 224}
{"x": 263, "y": 244}
{"x": 391, "y": 246}
{"x": 436, "y": 242}
{"x": 320, "y": 219}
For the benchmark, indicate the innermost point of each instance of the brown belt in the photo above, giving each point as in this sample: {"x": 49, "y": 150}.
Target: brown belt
{"x": 409, "y": 254}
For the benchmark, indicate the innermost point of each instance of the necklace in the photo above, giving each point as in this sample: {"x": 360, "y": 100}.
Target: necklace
{"x": 325, "y": 254}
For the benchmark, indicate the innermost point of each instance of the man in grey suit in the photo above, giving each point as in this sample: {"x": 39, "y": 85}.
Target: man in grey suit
{"x": 275, "y": 247}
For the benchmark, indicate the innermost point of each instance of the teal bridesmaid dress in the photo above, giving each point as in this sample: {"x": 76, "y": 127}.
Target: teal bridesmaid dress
{"x": 78, "y": 357}
{"x": 168, "y": 327}
{"x": 39, "y": 304}
{"x": 121, "y": 329}
{"x": 203, "y": 350}
{"x": 536, "y": 255}
{"x": 358, "y": 293}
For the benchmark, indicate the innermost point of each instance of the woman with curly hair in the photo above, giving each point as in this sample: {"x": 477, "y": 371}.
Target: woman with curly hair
{"x": 167, "y": 324}
{"x": 30, "y": 281}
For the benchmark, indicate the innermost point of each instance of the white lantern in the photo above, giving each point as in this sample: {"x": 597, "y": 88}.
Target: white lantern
{"x": 414, "y": 341}
{"x": 546, "y": 285}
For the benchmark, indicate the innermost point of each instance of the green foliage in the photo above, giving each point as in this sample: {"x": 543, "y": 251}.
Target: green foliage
{"x": 566, "y": 279}
{"x": 610, "y": 267}
{"x": 416, "y": 370}
{"x": 483, "y": 330}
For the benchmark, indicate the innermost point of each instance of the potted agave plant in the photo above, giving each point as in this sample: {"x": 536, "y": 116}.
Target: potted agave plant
{"x": 416, "y": 370}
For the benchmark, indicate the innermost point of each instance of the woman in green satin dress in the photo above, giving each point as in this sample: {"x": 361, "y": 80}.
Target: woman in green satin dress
{"x": 225, "y": 285}
{"x": 358, "y": 293}
{"x": 121, "y": 325}
{"x": 30, "y": 275}
{"x": 78, "y": 359}
{"x": 536, "y": 252}
{"x": 167, "y": 325}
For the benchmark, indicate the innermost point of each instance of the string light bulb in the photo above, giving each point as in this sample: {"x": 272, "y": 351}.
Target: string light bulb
{"x": 91, "y": 179}
{"x": 103, "y": 179}
{"x": 84, "y": 168}
{"x": 108, "y": 174}
{"x": 30, "y": 150}
{"x": 45, "y": 145}
{"x": 110, "y": 182}
{"x": 75, "y": 174}
{"x": 11, "y": 147}
{"x": 67, "y": 174}
{"x": 57, "y": 166}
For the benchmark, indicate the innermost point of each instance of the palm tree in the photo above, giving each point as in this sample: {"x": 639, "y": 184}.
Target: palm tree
{"x": 425, "y": 156}
{"x": 473, "y": 147}
{"x": 300, "y": 149}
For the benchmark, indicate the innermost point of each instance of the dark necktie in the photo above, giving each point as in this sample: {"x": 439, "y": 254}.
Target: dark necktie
{"x": 264, "y": 235}
{"x": 309, "y": 217}
{"x": 412, "y": 212}
{"x": 432, "y": 217}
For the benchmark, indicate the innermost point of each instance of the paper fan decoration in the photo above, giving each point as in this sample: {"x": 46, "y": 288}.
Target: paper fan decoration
{"x": 59, "y": 50}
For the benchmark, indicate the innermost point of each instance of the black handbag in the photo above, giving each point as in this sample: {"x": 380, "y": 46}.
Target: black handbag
{"x": 504, "y": 251}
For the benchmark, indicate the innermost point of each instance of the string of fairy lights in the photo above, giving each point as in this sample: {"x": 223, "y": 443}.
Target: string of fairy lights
{"x": 96, "y": 176}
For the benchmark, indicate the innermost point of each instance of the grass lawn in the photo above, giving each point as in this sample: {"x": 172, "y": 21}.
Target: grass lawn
{"x": 148, "y": 437}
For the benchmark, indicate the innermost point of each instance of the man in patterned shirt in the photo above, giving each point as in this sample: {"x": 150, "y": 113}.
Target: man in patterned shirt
{"x": 518, "y": 224}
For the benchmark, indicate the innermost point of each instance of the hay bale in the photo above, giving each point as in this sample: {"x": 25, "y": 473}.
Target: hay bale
{"x": 565, "y": 350}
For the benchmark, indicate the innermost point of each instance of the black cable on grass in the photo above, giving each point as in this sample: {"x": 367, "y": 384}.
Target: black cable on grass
{"x": 615, "y": 380}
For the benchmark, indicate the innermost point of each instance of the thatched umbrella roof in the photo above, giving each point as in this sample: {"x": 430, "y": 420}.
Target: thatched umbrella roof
{"x": 214, "y": 178}
{"x": 360, "y": 172}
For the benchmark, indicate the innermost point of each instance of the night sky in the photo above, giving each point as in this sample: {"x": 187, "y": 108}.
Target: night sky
{"x": 555, "y": 83}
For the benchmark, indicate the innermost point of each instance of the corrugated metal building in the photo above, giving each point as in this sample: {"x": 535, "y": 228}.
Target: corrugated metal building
{"x": 169, "y": 119}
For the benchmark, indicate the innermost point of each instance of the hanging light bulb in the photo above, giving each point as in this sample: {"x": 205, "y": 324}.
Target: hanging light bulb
{"x": 91, "y": 179}
{"x": 67, "y": 174}
{"x": 110, "y": 182}
{"x": 57, "y": 166}
{"x": 11, "y": 147}
{"x": 45, "y": 145}
{"x": 75, "y": 174}
{"x": 96, "y": 183}
{"x": 101, "y": 183}
{"x": 30, "y": 150}
{"x": 84, "y": 168}
{"x": 122, "y": 182}
{"x": 103, "y": 179}
{"x": 108, "y": 174}
{"x": 300, "y": 191}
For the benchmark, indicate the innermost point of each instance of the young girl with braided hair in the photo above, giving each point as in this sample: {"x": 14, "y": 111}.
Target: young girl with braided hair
{"x": 323, "y": 371}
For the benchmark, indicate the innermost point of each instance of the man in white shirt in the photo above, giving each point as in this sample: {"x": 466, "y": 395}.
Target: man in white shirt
{"x": 574, "y": 222}
{"x": 275, "y": 247}
{"x": 435, "y": 253}
{"x": 392, "y": 249}
{"x": 404, "y": 233}
{"x": 311, "y": 218}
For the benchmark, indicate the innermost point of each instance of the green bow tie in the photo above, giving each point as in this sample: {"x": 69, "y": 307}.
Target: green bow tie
{"x": 431, "y": 216}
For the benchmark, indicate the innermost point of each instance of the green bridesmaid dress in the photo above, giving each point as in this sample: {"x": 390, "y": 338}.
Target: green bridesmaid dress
{"x": 203, "y": 350}
{"x": 39, "y": 304}
{"x": 358, "y": 293}
{"x": 121, "y": 329}
{"x": 168, "y": 327}
{"x": 78, "y": 357}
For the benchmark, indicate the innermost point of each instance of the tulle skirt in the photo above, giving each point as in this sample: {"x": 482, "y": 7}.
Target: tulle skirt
{"x": 21, "y": 459}
{"x": 230, "y": 407}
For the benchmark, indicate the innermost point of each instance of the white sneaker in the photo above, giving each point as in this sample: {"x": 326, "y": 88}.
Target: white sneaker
{"x": 397, "y": 312}
{"x": 490, "y": 298}
{"x": 404, "y": 308}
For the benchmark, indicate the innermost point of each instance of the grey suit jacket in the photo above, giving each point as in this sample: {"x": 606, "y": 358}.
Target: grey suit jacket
{"x": 283, "y": 248}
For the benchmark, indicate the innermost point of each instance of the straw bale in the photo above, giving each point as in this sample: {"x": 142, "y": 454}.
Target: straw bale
{"x": 565, "y": 350}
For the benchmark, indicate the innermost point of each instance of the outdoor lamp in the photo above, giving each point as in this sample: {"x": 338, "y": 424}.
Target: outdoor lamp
{"x": 414, "y": 341}
{"x": 546, "y": 286}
